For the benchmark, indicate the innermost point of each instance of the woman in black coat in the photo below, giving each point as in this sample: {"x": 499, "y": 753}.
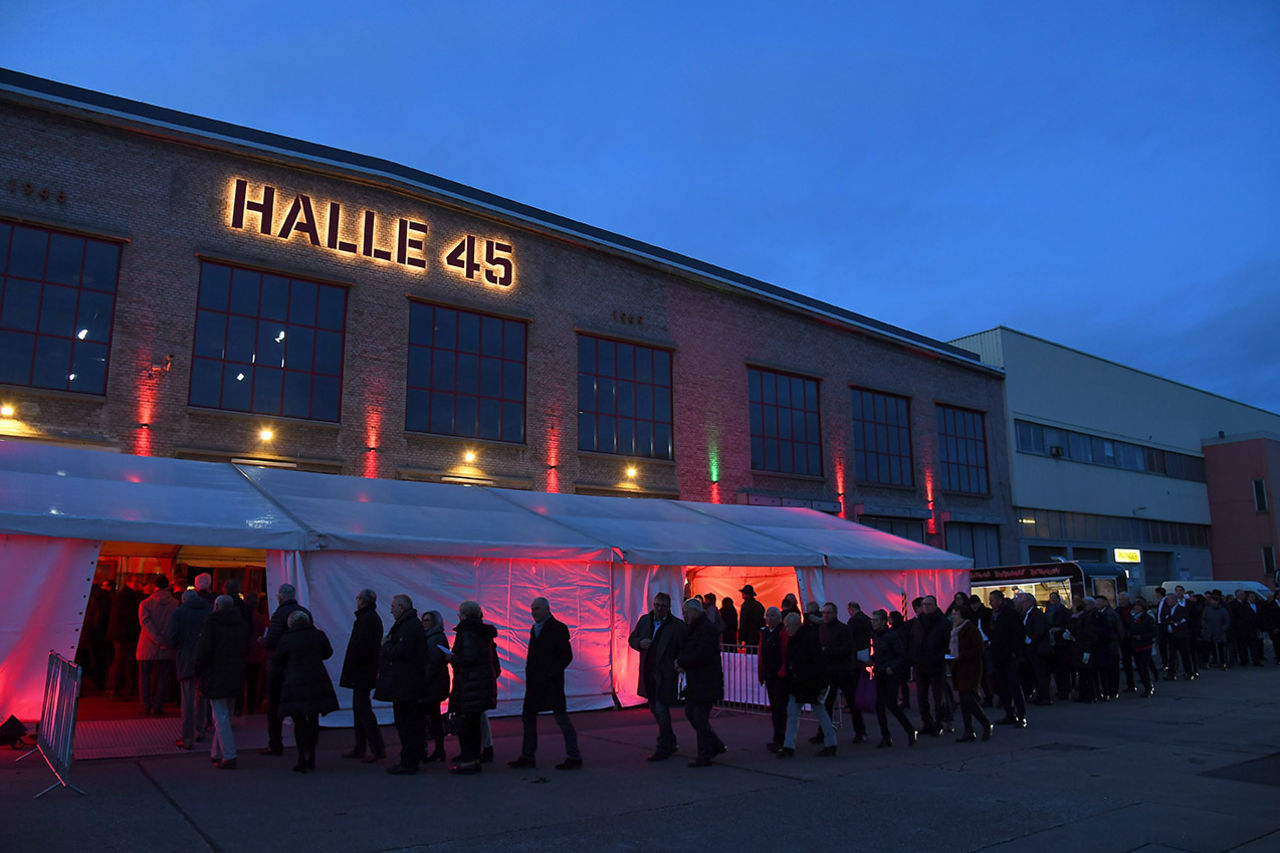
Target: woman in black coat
{"x": 729, "y": 616}
{"x": 307, "y": 691}
{"x": 437, "y": 674}
{"x": 475, "y": 681}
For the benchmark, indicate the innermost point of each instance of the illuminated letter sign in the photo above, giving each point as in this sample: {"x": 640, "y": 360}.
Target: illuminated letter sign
{"x": 365, "y": 233}
{"x": 1128, "y": 555}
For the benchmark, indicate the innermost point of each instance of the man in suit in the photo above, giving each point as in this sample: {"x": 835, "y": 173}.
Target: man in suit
{"x": 657, "y": 637}
{"x": 360, "y": 675}
{"x": 1162, "y": 640}
{"x": 1007, "y": 639}
{"x": 1177, "y": 627}
{"x": 699, "y": 660}
{"x": 549, "y": 656}
{"x": 1039, "y": 654}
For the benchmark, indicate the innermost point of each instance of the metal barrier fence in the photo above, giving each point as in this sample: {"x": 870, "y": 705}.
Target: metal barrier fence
{"x": 742, "y": 688}
{"x": 58, "y": 720}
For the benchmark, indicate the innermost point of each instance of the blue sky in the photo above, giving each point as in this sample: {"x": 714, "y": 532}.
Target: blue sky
{"x": 1104, "y": 175}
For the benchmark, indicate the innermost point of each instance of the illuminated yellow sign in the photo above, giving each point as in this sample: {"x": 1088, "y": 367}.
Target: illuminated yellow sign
{"x": 1127, "y": 555}
{"x": 366, "y": 234}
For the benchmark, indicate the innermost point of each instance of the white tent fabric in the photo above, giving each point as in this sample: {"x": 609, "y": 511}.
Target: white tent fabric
{"x": 36, "y": 622}
{"x": 87, "y": 494}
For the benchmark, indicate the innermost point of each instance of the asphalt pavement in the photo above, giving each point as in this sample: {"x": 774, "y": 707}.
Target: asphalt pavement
{"x": 1196, "y": 767}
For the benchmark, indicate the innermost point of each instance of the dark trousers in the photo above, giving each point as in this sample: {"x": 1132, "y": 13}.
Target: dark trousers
{"x": 1145, "y": 666}
{"x": 971, "y": 709}
{"x": 699, "y": 716}
{"x": 1180, "y": 649}
{"x": 469, "y": 736}
{"x": 1166, "y": 648}
{"x": 529, "y": 746}
{"x": 666, "y": 735}
{"x": 1010, "y": 687}
{"x": 1041, "y": 666}
{"x": 368, "y": 735}
{"x": 776, "y": 688}
{"x": 275, "y": 723}
{"x": 1087, "y": 681}
{"x": 1063, "y": 682}
{"x": 1109, "y": 675}
{"x": 306, "y": 735}
{"x": 933, "y": 684}
{"x": 1126, "y": 663}
{"x": 411, "y": 725}
{"x": 155, "y": 680}
{"x": 435, "y": 727}
{"x": 122, "y": 680}
{"x": 252, "y": 688}
{"x": 847, "y": 684}
{"x": 887, "y": 687}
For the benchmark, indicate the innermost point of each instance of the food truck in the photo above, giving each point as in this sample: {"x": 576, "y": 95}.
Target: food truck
{"x": 1071, "y": 580}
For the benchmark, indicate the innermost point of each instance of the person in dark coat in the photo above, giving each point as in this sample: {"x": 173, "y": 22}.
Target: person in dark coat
{"x": 930, "y": 636}
{"x": 838, "y": 667}
{"x": 729, "y": 617}
{"x": 771, "y": 663}
{"x": 699, "y": 660}
{"x": 122, "y": 631}
{"x": 807, "y": 683}
{"x": 1037, "y": 653}
{"x": 437, "y": 678}
{"x": 657, "y": 637}
{"x": 360, "y": 676}
{"x": 306, "y": 691}
{"x": 155, "y": 657}
{"x": 1215, "y": 629}
{"x": 750, "y": 617}
{"x": 475, "y": 680}
{"x": 402, "y": 681}
{"x": 219, "y": 665}
{"x": 549, "y": 656}
{"x": 1142, "y": 636}
{"x": 1059, "y": 618}
{"x": 1177, "y": 625}
{"x": 182, "y": 633}
{"x": 1007, "y": 639}
{"x": 287, "y": 604}
{"x": 967, "y": 653}
{"x": 94, "y": 644}
{"x": 253, "y": 664}
{"x": 889, "y": 663}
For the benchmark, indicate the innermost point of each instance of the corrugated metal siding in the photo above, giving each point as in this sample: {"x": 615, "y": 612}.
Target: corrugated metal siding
{"x": 988, "y": 345}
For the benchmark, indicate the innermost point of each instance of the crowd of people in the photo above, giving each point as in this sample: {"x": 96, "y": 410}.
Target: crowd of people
{"x": 1007, "y": 651}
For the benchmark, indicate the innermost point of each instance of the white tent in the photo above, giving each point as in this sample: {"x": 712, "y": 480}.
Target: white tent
{"x": 599, "y": 560}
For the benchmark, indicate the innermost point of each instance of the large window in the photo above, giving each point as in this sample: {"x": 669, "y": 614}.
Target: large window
{"x": 962, "y": 448}
{"x": 907, "y": 528}
{"x": 624, "y": 399}
{"x": 1080, "y": 526}
{"x": 882, "y": 438}
{"x": 979, "y": 541}
{"x": 1260, "y": 496}
{"x": 57, "y": 295}
{"x": 1043, "y": 440}
{"x": 466, "y": 374}
{"x": 268, "y": 344}
{"x": 785, "y": 434}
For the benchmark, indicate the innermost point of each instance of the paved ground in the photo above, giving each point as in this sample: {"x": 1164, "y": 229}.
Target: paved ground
{"x": 1195, "y": 768}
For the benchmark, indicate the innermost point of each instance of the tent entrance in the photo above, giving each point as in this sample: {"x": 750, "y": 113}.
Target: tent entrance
{"x": 771, "y": 583}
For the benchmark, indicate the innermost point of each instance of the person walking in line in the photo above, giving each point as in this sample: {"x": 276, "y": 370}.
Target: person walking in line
{"x": 306, "y": 691}
{"x": 1142, "y": 631}
{"x": 181, "y": 635}
{"x": 750, "y": 617}
{"x": 475, "y": 681}
{"x": 967, "y": 654}
{"x": 699, "y": 660}
{"x": 889, "y": 663}
{"x": 360, "y": 676}
{"x": 771, "y": 670}
{"x": 219, "y": 665}
{"x": 657, "y": 637}
{"x": 437, "y": 680}
{"x": 155, "y": 655}
{"x": 287, "y": 605}
{"x": 550, "y": 654}
{"x": 402, "y": 681}
{"x": 806, "y": 684}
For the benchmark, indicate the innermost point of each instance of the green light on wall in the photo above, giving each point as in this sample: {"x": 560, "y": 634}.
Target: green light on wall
{"x": 713, "y": 464}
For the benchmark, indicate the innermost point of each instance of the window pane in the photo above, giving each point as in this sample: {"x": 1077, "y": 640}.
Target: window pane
{"x": 206, "y": 382}
{"x": 491, "y": 336}
{"x": 93, "y": 316}
{"x": 27, "y": 252}
{"x": 236, "y": 388}
{"x": 513, "y": 346}
{"x": 100, "y": 263}
{"x": 468, "y": 332}
{"x": 267, "y": 382}
{"x": 21, "y": 305}
{"x": 244, "y": 292}
{"x": 53, "y": 363}
{"x": 331, "y": 307}
{"x": 275, "y": 297}
{"x": 302, "y": 303}
{"x": 297, "y": 395}
{"x": 58, "y": 311}
{"x": 66, "y": 254}
{"x": 215, "y": 286}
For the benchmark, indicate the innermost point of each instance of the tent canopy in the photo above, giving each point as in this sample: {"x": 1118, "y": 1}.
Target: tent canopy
{"x": 66, "y": 492}
{"x": 85, "y": 494}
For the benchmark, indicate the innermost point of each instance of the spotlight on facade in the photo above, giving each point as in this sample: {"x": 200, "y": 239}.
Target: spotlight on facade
{"x": 6, "y": 411}
{"x": 631, "y": 472}
{"x": 469, "y": 456}
{"x": 266, "y": 434}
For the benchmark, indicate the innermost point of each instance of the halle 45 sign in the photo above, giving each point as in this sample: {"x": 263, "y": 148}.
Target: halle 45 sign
{"x": 330, "y": 227}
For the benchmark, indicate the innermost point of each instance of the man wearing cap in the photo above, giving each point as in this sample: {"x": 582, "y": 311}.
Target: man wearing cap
{"x": 750, "y": 617}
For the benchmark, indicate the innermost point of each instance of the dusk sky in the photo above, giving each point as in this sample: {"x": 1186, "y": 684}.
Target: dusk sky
{"x": 1104, "y": 175}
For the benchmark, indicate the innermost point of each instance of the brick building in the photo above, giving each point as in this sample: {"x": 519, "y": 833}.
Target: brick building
{"x": 178, "y": 286}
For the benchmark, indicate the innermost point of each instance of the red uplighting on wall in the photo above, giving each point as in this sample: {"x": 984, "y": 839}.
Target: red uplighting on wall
{"x": 715, "y": 493}
{"x": 932, "y": 526}
{"x": 146, "y": 409}
{"x": 372, "y": 435}
{"x": 553, "y": 451}
{"x": 840, "y": 485}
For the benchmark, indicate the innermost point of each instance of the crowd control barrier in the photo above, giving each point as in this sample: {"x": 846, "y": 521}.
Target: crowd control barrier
{"x": 58, "y": 720}
{"x": 742, "y": 688}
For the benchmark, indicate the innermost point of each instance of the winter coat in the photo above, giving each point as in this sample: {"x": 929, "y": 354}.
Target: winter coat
{"x": 123, "y": 625}
{"x": 549, "y": 656}
{"x": 1007, "y": 635}
{"x": 888, "y": 652}
{"x": 750, "y": 621}
{"x": 306, "y": 688}
{"x": 279, "y": 626}
{"x": 154, "y": 614}
{"x": 364, "y": 648}
{"x": 806, "y": 671}
{"x": 437, "y": 666}
{"x": 967, "y": 668}
{"x": 1175, "y": 622}
{"x": 1036, "y": 626}
{"x": 1142, "y": 630}
{"x": 220, "y": 654}
{"x": 860, "y": 631}
{"x": 1215, "y": 624}
{"x": 402, "y": 673}
{"x": 183, "y": 632}
{"x": 930, "y": 637}
{"x": 771, "y": 661}
{"x": 837, "y": 651}
{"x": 658, "y": 662}
{"x": 700, "y": 659}
{"x": 729, "y": 616}
{"x": 475, "y": 668}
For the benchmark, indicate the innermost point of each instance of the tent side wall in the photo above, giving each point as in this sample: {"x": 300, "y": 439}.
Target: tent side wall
{"x": 579, "y": 593}
{"x": 47, "y": 583}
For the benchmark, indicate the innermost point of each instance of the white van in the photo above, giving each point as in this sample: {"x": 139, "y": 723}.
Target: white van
{"x": 1202, "y": 586}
